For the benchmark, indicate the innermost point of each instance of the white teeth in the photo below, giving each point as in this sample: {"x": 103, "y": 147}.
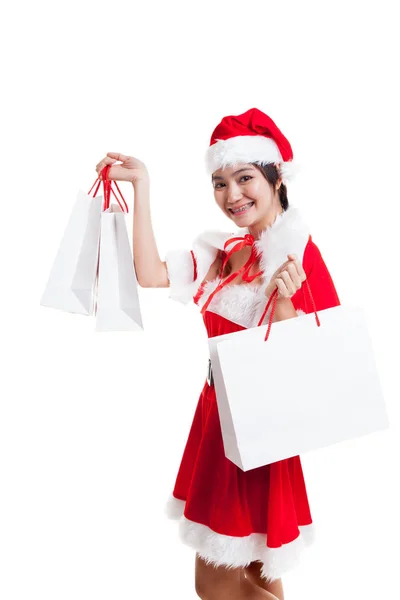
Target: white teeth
{"x": 242, "y": 208}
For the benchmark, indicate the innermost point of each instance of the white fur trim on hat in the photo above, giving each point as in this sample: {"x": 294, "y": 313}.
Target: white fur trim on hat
{"x": 288, "y": 170}
{"x": 247, "y": 149}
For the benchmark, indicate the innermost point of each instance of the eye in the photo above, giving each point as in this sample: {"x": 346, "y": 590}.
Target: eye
{"x": 243, "y": 179}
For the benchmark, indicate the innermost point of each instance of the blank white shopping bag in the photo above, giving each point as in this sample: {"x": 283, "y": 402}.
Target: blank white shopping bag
{"x": 306, "y": 387}
{"x": 73, "y": 274}
{"x": 118, "y": 306}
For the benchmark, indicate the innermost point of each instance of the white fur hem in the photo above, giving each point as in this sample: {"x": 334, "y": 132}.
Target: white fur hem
{"x": 174, "y": 508}
{"x": 233, "y": 552}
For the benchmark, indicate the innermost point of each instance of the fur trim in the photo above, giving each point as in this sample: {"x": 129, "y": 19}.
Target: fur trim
{"x": 242, "y": 149}
{"x": 257, "y": 149}
{"x": 174, "y": 508}
{"x": 180, "y": 271}
{"x": 242, "y": 304}
{"x": 233, "y": 552}
{"x": 205, "y": 249}
{"x": 289, "y": 234}
{"x": 288, "y": 170}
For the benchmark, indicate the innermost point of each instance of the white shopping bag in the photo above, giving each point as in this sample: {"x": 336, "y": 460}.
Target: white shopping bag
{"x": 118, "y": 306}
{"x": 73, "y": 275}
{"x": 306, "y": 387}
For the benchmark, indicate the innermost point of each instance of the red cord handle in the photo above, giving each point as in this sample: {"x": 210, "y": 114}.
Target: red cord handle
{"x": 108, "y": 189}
{"x": 273, "y": 298}
{"x": 98, "y": 181}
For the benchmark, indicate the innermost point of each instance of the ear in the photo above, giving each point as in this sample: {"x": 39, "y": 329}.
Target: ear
{"x": 279, "y": 182}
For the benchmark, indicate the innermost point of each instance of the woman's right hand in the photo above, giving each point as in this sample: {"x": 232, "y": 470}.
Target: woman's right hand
{"x": 131, "y": 169}
{"x": 288, "y": 278}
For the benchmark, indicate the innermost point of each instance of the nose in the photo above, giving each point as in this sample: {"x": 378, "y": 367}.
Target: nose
{"x": 234, "y": 193}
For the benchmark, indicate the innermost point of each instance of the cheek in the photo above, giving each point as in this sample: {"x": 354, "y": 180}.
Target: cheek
{"x": 256, "y": 190}
{"x": 259, "y": 191}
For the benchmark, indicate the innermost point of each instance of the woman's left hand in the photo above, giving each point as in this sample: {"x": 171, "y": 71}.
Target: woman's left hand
{"x": 288, "y": 278}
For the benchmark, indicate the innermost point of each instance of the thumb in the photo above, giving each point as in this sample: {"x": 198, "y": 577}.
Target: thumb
{"x": 292, "y": 256}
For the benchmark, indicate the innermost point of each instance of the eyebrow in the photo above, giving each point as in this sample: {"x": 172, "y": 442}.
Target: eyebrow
{"x": 215, "y": 177}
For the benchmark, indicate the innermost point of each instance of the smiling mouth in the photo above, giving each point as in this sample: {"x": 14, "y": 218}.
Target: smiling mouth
{"x": 242, "y": 209}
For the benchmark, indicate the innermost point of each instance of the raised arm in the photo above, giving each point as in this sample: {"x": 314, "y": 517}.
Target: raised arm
{"x": 151, "y": 271}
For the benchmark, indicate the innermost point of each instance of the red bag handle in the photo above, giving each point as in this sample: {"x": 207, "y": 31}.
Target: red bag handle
{"x": 98, "y": 181}
{"x": 273, "y": 298}
{"x": 107, "y": 187}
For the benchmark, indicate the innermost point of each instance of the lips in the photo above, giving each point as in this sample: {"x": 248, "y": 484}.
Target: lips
{"x": 240, "y": 210}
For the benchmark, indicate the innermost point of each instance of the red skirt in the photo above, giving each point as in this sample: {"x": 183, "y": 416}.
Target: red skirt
{"x": 231, "y": 517}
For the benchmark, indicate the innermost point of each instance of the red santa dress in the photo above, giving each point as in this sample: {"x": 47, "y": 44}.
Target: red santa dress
{"x": 231, "y": 517}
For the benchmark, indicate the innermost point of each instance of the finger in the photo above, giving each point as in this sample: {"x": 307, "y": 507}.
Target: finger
{"x": 299, "y": 267}
{"x": 290, "y": 286}
{"x": 117, "y": 156}
{"x": 106, "y": 161}
{"x": 300, "y": 271}
{"x": 103, "y": 163}
{"x": 283, "y": 292}
{"x": 293, "y": 272}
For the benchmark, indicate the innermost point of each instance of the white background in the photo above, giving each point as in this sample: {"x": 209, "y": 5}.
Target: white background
{"x": 93, "y": 426}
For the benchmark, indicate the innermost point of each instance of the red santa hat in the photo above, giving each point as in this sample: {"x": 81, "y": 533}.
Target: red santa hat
{"x": 251, "y": 137}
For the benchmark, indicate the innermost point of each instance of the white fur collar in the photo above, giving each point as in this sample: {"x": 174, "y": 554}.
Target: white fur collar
{"x": 288, "y": 234}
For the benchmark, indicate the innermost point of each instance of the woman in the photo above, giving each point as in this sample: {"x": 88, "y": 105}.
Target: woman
{"x": 247, "y": 528}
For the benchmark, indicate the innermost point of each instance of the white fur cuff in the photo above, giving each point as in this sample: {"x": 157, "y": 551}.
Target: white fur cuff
{"x": 180, "y": 271}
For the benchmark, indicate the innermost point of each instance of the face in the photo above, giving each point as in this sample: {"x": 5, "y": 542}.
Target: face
{"x": 244, "y": 195}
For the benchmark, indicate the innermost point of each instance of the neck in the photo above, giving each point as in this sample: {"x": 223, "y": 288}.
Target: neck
{"x": 269, "y": 219}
